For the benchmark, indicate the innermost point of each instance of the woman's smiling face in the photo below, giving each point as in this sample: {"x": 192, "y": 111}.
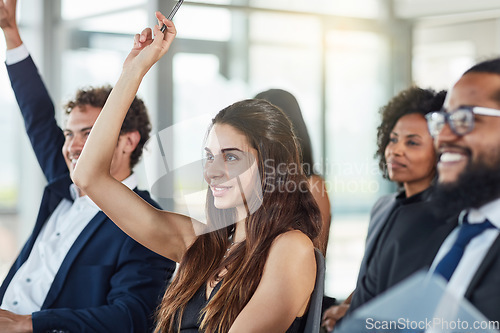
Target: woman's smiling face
{"x": 231, "y": 168}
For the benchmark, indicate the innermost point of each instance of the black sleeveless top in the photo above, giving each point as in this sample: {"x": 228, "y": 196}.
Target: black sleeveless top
{"x": 191, "y": 320}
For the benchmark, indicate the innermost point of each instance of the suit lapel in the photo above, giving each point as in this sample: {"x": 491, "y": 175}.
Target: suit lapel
{"x": 378, "y": 220}
{"x": 52, "y": 196}
{"x": 73, "y": 253}
{"x": 485, "y": 264}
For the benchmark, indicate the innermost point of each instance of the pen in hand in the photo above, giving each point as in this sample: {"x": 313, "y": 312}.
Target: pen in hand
{"x": 172, "y": 14}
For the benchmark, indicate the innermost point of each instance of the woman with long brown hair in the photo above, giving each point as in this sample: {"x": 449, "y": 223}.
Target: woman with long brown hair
{"x": 251, "y": 267}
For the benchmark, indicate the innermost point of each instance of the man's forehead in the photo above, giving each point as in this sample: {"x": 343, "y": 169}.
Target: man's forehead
{"x": 80, "y": 118}
{"x": 474, "y": 89}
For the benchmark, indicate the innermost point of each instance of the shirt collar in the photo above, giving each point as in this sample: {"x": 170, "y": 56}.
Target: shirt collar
{"x": 488, "y": 211}
{"x": 130, "y": 182}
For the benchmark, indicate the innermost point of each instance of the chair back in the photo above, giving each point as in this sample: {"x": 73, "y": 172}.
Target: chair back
{"x": 313, "y": 321}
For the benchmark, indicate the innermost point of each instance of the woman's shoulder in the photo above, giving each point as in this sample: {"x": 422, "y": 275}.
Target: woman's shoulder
{"x": 292, "y": 257}
{"x": 291, "y": 265}
{"x": 315, "y": 179}
{"x": 384, "y": 202}
{"x": 293, "y": 242}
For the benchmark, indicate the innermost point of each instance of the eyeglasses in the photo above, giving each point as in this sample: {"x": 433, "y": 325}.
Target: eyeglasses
{"x": 461, "y": 120}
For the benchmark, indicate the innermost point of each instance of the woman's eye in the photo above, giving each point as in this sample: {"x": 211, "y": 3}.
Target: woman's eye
{"x": 209, "y": 157}
{"x": 393, "y": 140}
{"x": 413, "y": 143}
{"x": 231, "y": 157}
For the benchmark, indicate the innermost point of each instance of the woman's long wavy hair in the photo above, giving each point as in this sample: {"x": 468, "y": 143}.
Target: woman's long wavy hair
{"x": 285, "y": 204}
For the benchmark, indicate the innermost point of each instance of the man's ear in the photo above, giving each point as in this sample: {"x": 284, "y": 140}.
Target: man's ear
{"x": 131, "y": 141}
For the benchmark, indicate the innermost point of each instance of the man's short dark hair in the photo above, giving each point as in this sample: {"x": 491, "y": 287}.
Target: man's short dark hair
{"x": 491, "y": 66}
{"x": 137, "y": 118}
{"x": 487, "y": 66}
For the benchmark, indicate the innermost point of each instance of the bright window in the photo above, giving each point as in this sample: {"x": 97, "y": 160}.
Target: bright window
{"x": 356, "y": 76}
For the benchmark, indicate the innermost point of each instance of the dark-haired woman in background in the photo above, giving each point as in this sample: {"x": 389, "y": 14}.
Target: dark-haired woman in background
{"x": 407, "y": 157}
{"x": 252, "y": 266}
{"x": 288, "y": 103}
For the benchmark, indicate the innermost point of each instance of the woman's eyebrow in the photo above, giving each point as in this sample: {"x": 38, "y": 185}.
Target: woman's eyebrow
{"x": 224, "y": 150}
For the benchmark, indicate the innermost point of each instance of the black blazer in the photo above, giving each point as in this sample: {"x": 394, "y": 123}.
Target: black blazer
{"x": 379, "y": 214}
{"x": 405, "y": 245}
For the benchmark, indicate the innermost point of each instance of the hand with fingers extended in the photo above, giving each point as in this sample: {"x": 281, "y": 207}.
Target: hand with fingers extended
{"x": 150, "y": 45}
{"x": 8, "y": 23}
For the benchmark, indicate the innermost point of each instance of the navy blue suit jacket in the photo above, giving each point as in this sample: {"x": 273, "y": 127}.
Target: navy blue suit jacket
{"x": 107, "y": 282}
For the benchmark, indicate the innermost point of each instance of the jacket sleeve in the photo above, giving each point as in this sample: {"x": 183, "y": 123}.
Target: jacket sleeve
{"x": 136, "y": 287}
{"x": 38, "y": 113}
{"x": 374, "y": 281}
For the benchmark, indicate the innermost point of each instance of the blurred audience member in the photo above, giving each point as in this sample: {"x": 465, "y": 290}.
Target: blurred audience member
{"x": 407, "y": 157}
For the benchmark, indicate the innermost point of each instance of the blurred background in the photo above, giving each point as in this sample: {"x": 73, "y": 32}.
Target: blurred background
{"x": 342, "y": 59}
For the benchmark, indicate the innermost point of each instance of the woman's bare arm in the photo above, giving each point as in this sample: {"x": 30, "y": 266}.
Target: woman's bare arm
{"x": 166, "y": 233}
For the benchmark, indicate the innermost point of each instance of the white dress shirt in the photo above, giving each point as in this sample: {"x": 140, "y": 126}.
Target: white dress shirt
{"x": 475, "y": 251}
{"x": 31, "y": 283}
{"x": 16, "y": 55}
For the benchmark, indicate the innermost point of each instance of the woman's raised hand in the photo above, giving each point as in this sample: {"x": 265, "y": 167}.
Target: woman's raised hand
{"x": 149, "y": 48}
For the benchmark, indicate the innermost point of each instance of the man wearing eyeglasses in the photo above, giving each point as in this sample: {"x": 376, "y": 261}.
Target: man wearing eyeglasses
{"x": 457, "y": 233}
{"x": 467, "y": 138}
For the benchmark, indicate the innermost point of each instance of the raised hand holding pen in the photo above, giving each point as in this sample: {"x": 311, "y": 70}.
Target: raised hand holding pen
{"x": 172, "y": 13}
{"x": 148, "y": 49}
{"x": 96, "y": 157}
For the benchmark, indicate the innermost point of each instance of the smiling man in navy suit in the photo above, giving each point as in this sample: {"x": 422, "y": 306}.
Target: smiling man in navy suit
{"x": 77, "y": 272}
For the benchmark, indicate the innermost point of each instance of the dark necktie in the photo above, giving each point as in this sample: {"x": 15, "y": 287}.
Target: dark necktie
{"x": 467, "y": 231}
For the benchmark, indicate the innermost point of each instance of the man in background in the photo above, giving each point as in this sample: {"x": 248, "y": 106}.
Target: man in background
{"x": 77, "y": 272}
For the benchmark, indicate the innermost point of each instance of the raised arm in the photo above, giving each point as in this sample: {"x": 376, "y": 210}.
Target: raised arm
{"x": 166, "y": 233}
{"x": 32, "y": 97}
